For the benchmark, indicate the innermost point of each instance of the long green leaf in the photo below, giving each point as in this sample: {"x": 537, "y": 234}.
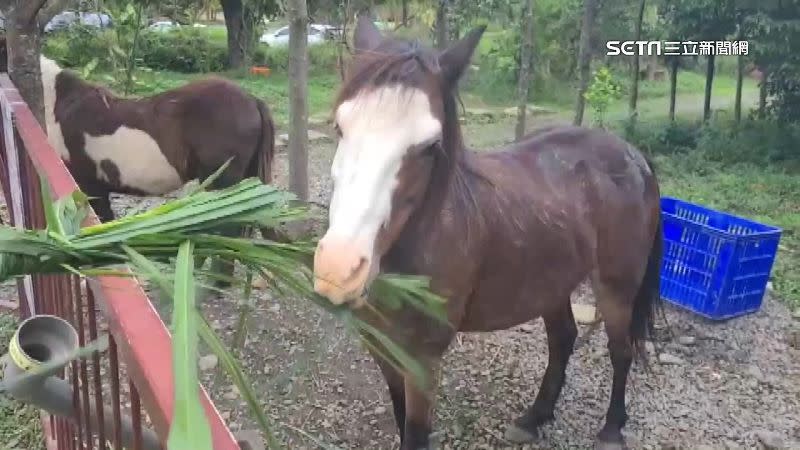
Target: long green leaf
{"x": 193, "y": 214}
{"x": 229, "y": 362}
{"x": 49, "y": 206}
{"x": 72, "y": 211}
{"x": 208, "y": 181}
{"x": 190, "y": 428}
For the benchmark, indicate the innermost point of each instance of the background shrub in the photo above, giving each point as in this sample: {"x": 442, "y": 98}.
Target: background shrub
{"x": 722, "y": 141}
{"x": 184, "y": 50}
{"x": 77, "y": 45}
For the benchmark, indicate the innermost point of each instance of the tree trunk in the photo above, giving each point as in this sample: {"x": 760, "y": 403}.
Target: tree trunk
{"x": 739, "y": 81}
{"x": 652, "y": 65}
{"x": 297, "y": 13}
{"x": 405, "y": 13}
{"x": 233, "y": 11}
{"x": 635, "y": 69}
{"x": 441, "y": 25}
{"x": 709, "y": 85}
{"x": 585, "y": 57}
{"x": 526, "y": 55}
{"x": 24, "y": 45}
{"x": 673, "y": 87}
{"x": 737, "y": 107}
{"x": 762, "y": 93}
{"x": 343, "y": 45}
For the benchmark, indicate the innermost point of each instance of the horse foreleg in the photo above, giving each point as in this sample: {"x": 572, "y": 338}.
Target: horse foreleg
{"x": 101, "y": 204}
{"x": 397, "y": 391}
{"x": 222, "y": 267}
{"x": 419, "y": 411}
{"x": 561, "y": 335}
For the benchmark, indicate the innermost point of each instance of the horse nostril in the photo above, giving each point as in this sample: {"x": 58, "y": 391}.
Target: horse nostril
{"x": 356, "y": 269}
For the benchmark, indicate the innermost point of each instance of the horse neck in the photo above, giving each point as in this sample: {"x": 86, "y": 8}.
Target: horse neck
{"x": 450, "y": 209}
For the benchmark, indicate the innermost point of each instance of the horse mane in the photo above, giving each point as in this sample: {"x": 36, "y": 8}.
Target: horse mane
{"x": 73, "y": 81}
{"x": 408, "y": 64}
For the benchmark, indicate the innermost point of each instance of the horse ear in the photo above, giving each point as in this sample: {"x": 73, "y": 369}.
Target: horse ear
{"x": 455, "y": 59}
{"x": 366, "y": 35}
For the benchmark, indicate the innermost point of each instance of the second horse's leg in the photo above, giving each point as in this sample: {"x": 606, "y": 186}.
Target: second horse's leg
{"x": 224, "y": 268}
{"x": 101, "y": 204}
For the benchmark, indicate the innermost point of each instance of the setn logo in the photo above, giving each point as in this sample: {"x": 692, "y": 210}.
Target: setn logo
{"x": 631, "y": 48}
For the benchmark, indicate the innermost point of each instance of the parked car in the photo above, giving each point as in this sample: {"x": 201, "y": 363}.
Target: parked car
{"x": 331, "y": 31}
{"x": 280, "y": 37}
{"x": 163, "y": 25}
{"x": 67, "y": 19}
{"x": 62, "y": 20}
{"x": 96, "y": 19}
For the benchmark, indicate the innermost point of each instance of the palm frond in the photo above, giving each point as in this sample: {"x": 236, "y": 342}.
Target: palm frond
{"x": 191, "y": 228}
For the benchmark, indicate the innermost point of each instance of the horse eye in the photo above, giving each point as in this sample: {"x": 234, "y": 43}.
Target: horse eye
{"x": 431, "y": 149}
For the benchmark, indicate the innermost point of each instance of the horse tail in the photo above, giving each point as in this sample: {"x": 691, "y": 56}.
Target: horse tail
{"x": 648, "y": 298}
{"x": 265, "y": 154}
{"x": 265, "y": 149}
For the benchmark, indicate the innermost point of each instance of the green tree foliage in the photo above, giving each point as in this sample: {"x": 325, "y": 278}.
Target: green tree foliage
{"x": 773, "y": 32}
{"x": 603, "y": 91}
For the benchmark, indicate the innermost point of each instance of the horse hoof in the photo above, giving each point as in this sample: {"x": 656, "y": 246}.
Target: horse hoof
{"x": 605, "y": 445}
{"x": 259, "y": 283}
{"x": 518, "y": 435}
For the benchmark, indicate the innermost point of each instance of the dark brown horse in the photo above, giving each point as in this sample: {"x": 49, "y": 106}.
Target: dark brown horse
{"x": 154, "y": 145}
{"x": 505, "y": 236}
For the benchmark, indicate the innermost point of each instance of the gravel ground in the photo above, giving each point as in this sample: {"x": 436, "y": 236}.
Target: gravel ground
{"x": 720, "y": 385}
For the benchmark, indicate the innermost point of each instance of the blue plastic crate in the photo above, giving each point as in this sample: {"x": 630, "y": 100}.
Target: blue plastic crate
{"x": 715, "y": 264}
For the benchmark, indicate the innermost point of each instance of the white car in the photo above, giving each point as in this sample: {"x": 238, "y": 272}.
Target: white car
{"x": 280, "y": 37}
{"x": 163, "y": 25}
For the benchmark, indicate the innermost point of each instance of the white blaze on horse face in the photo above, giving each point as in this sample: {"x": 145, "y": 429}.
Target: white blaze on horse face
{"x": 379, "y": 127}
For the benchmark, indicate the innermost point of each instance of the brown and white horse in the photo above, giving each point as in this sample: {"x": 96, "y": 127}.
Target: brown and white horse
{"x": 505, "y": 236}
{"x": 154, "y": 145}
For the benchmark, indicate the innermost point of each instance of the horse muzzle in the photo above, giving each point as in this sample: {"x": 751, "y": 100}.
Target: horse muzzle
{"x": 342, "y": 271}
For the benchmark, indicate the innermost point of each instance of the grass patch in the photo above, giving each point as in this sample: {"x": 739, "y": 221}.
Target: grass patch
{"x": 766, "y": 194}
{"x": 217, "y": 33}
{"x": 20, "y": 427}
{"x": 691, "y": 82}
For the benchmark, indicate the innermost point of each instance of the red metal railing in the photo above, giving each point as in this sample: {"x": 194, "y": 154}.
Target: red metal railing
{"x": 134, "y": 375}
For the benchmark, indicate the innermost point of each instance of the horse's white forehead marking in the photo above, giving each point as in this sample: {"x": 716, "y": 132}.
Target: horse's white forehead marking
{"x": 378, "y": 127}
